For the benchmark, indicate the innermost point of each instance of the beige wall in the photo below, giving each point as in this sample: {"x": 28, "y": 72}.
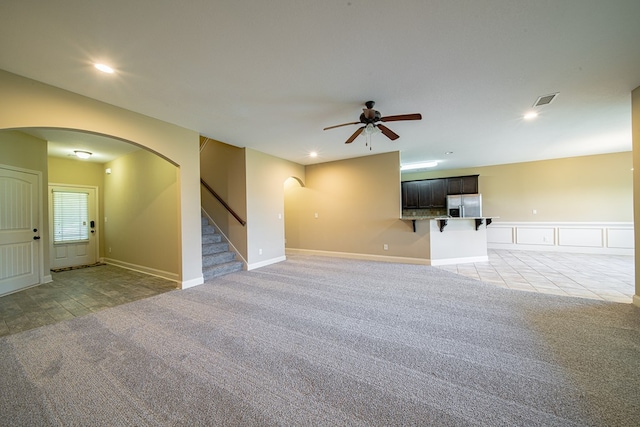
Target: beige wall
{"x": 27, "y": 103}
{"x": 582, "y": 189}
{"x": 142, "y": 208}
{"x": 223, "y": 168}
{"x": 358, "y": 207}
{"x": 266, "y": 177}
{"x": 253, "y": 185}
{"x": 358, "y": 200}
{"x": 23, "y": 151}
{"x": 83, "y": 173}
{"x": 635, "y": 125}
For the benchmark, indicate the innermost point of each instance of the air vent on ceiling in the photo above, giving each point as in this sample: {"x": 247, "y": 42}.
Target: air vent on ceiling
{"x": 546, "y": 99}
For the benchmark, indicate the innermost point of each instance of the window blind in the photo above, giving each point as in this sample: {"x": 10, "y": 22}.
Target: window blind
{"x": 70, "y": 216}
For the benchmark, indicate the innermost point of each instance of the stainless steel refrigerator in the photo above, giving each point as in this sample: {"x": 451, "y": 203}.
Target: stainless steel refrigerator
{"x": 464, "y": 205}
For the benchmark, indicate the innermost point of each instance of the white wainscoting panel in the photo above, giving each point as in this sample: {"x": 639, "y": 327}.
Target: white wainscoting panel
{"x": 535, "y": 236}
{"x": 498, "y": 234}
{"x": 620, "y": 238}
{"x": 578, "y": 237}
{"x": 589, "y": 237}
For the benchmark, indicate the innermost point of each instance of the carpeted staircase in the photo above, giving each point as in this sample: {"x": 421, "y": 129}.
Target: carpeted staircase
{"x": 217, "y": 260}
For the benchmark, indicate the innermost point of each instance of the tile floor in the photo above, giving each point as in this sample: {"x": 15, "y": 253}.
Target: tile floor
{"x": 76, "y": 293}
{"x": 602, "y": 277}
{"x": 79, "y": 292}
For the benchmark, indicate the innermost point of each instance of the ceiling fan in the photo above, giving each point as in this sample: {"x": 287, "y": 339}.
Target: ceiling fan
{"x": 370, "y": 119}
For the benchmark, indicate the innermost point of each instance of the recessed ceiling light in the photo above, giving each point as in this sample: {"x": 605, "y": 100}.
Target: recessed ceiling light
{"x": 448, "y": 153}
{"x": 82, "y": 154}
{"x": 104, "y": 68}
{"x": 313, "y": 154}
{"x": 530, "y": 115}
{"x": 419, "y": 165}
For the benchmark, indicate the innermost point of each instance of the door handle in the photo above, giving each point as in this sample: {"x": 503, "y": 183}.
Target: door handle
{"x": 36, "y": 237}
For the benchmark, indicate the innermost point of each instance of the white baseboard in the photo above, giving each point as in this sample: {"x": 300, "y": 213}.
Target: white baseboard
{"x": 193, "y": 282}
{"x": 265, "y": 263}
{"x": 142, "y": 269}
{"x": 46, "y": 279}
{"x": 365, "y": 257}
{"x": 449, "y": 261}
{"x": 158, "y": 273}
{"x": 562, "y": 249}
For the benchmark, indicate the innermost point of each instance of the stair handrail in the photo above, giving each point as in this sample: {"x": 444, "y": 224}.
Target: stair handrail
{"x": 227, "y": 207}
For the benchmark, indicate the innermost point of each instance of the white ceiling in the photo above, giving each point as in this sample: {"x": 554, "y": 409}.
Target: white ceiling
{"x": 270, "y": 75}
{"x": 64, "y": 143}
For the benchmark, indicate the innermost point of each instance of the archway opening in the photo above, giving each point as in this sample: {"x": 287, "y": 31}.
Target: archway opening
{"x": 137, "y": 222}
{"x": 293, "y": 201}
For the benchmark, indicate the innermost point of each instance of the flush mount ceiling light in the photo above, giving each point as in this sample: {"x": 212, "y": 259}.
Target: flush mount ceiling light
{"x": 419, "y": 165}
{"x": 104, "y": 68}
{"x": 530, "y": 115}
{"x": 82, "y": 154}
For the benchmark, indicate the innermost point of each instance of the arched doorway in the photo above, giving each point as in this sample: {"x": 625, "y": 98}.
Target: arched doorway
{"x": 293, "y": 200}
{"x": 28, "y": 104}
{"x": 134, "y": 187}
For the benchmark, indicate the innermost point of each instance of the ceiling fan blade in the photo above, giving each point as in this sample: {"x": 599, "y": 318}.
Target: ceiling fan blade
{"x": 388, "y": 132}
{"x": 344, "y": 124}
{"x": 416, "y": 116}
{"x": 355, "y": 135}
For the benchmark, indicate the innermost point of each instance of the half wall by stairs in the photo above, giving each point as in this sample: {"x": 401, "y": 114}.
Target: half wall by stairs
{"x": 217, "y": 260}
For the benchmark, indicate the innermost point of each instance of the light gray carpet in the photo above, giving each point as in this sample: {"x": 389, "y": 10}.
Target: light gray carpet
{"x": 323, "y": 341}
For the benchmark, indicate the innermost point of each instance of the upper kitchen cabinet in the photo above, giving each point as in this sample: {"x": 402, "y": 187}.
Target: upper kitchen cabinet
{"x": 410, "y": 195}
{"x": 438, "y": 193}
{"x": 424, "y": 194}
{"x": 462, "y": 184}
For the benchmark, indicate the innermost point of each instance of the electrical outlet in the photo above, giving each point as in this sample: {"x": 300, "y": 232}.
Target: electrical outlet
{"x": 259, "y": 251}
{"x": 315, "y": 215}
{"x": 385, "y": 247}
{"x": 109, "y": 249}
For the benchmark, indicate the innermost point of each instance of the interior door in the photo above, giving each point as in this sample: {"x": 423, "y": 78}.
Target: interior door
{"x": 19, "y": 230}
{"x": 72, "y": 226}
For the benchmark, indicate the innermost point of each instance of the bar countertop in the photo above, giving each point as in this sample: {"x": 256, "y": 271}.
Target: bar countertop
{"x": 442, "y": 220}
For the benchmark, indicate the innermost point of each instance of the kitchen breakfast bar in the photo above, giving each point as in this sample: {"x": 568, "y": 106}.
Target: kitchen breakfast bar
{"x": 454, "y": 240}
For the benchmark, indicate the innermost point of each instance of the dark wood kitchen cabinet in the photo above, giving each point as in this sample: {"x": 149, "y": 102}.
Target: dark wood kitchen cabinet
{"x": 424, "y": 194}
{"x": 439, "y": 193}
{"x": 410, "y": 194}
{"x": 462, "y": 184}
{"x": 432, "y": 193}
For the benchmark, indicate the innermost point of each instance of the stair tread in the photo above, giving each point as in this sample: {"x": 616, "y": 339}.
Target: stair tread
{"x": 223, "y": 264}
{"x": 221, "y": 269}
{"x": 217, "y": 259}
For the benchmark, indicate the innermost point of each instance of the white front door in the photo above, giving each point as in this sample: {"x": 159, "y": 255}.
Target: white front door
{"x": 72, "y": 226}
{"x": 19, "y": 230}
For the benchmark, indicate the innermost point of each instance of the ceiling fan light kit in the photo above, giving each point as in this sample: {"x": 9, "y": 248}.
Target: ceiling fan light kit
{"x": 370, "y": 118}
